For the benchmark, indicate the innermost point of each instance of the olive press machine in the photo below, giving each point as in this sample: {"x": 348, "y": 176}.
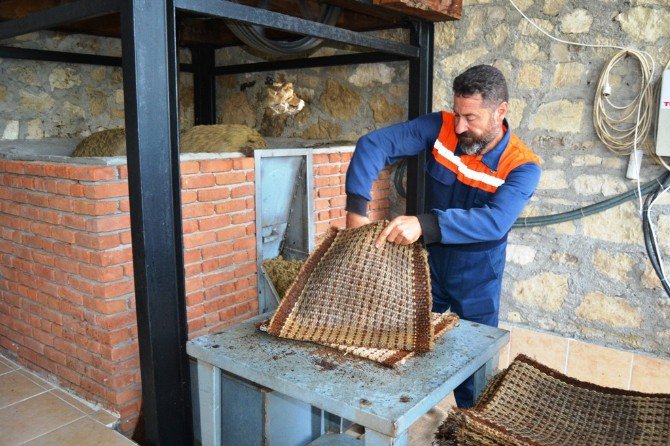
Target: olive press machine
{"x": 252, "y": 389}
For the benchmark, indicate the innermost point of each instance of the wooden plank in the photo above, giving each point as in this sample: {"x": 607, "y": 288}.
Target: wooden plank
{"x": 432, "y": 10}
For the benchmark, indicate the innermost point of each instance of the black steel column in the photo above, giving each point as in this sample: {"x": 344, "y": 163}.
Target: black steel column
{"x": 204, "y": 85}
{"x": 419, "y": 103}
{"x": 150, "y": 90}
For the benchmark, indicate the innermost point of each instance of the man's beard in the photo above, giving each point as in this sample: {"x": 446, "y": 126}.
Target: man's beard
{"x": 473, "y": 145}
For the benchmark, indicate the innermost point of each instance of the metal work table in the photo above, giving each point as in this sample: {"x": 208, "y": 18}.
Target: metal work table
{"x": 385, "y": 401}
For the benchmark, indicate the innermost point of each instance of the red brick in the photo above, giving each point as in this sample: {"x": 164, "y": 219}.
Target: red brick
{"x": 328, "y": 192}
{"x": 338, "y": 201}
{"x": 328, "y": 169}
{"x": 197, "y": 181}
{"x": 197, "y": 210}
{"x": 97, "y": 241}
{"x": 123, "y": 171}
{"x": 231, "y": 206}
{"x": 114, "y": 257}
{"x": 216, "y": 165}
{"x": 221, "y": 221}
{"x": 231, "y": 233}
{"x": 320, "y": 158}
{"x": 189, "y": 196}
{"x": 106, "y": 190}
{"x": 124, "y": 205}
{"x": 243, "y": 163}
{"x": 251, "y": 176}
{"x": 231, "y": 178}
{"x": 73, "y": 221}
{"x": 243, "y": 217}
{"x": 346, "y": 156}
{"x": 107, "y": 224}
{"x": 217, "y": 278}
{"x": 245, "y": 270}
{"x": 189, "y": 167}
{"x": 96, "y": 207}
{"x": 199, "y": 239}
{"x": 189, "y": 226}
{"x": 192, "y": 255}
{"x": 100, "y": 274}
{"x": 117, "y": 321}
{"x": 214, "y": 194}
{"x": 210, "y": 252}
{"x": 89, "y": 173}
{"x": 105, "y": 306}
{"x": 193, "y": 284}
{"x": 242, "y": 191}
{"x": 120, "y": 288}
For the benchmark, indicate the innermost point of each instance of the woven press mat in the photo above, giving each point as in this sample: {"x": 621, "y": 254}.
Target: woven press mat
{"x": 391, "y": 358}
{"x": 530, "y": 404}
{"x": 351, "y": 293}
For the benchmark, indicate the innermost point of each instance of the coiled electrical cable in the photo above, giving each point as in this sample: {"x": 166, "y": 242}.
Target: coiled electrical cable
{"x": 624, "y": 127}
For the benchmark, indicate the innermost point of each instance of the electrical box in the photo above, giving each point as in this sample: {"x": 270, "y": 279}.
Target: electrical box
{"x": 663, "y": 127}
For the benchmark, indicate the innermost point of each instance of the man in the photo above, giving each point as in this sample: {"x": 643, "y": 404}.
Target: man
{"x": 479, "y": 178}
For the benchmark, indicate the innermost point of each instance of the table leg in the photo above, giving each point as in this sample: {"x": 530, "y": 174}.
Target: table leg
{"x": 484, "y": 374}
{"x": 374, "y": 438}
{"x": 209, "y": 394}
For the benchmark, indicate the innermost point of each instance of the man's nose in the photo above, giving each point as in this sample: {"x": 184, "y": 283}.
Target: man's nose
{"x": 461, "y": 126}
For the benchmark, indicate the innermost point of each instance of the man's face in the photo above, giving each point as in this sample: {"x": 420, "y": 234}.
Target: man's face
{"x": 476, "y": 123}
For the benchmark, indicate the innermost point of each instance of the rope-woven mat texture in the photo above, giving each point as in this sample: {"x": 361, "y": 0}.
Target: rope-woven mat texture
{"x": 351, "y": 293}
{"x": 530, "y": 404}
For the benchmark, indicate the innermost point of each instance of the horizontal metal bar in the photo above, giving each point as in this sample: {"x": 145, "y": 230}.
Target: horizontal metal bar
{"x": 11, "y": 52}
{"x": 58, "y": 16}
{"x": 310, "y": 62}
{"x": 255, "y": 16}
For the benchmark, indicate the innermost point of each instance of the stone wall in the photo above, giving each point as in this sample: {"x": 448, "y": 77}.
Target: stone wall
{"x": 588, "y": 279}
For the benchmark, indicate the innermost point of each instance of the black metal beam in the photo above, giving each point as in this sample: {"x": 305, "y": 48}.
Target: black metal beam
{"x": 58, "y": 16}
{"x": 204, "y": 85}
{"x": 310, "y": 62}
{"x": 151, "y": 115}
{"x": 11, "y": 52}
{"x": 254, "y": 16}
{"x": 419, "y": 103}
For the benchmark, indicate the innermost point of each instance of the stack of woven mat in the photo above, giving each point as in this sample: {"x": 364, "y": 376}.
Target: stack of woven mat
{"x": 370, "y": 302}
{"x": 530, "y": 404}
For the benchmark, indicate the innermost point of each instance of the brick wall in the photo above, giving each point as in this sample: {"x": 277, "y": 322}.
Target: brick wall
{"x": 66, "y": 278}
{"x": 329, "y": 195}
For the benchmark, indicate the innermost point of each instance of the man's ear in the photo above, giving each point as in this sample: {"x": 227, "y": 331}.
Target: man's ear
{"x": 502, "y": 111}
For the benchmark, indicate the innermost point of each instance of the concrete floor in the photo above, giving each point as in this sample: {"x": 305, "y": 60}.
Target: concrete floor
{"x": 35, "y": 412}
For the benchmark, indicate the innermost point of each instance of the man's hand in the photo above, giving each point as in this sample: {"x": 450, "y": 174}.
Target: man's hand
{"x": 355, "y": 220}
{"x": 403, "y": 230}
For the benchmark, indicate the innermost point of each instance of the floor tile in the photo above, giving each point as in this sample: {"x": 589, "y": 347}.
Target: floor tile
{"x": 544, "y": 348}
{"x": 106, "y": 418}
{"x": 650, "y": 374}
{"x": 73, "y": 401}
{"x": 6, "y": 361}
{"x": 14, "y": 387}
{"x": 33, "y": 417}
{"x": 36, "y": 379}
{"x": 82, "y": 432}
{"x": 599, "y": 365}
{"x": 5, "y": 368}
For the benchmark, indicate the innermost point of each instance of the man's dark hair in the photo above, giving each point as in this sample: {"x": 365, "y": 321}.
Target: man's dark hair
{"x": 485, "y": 80}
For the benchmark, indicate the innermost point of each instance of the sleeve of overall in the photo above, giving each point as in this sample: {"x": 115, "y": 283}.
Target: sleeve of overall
{"x": 495, "y": 219}
{"x": 384, "y": 147}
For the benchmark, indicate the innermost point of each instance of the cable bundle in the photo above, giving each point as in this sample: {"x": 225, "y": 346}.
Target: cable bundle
{"x": 624, "y": 127}
{"x": 650, "y": 241}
